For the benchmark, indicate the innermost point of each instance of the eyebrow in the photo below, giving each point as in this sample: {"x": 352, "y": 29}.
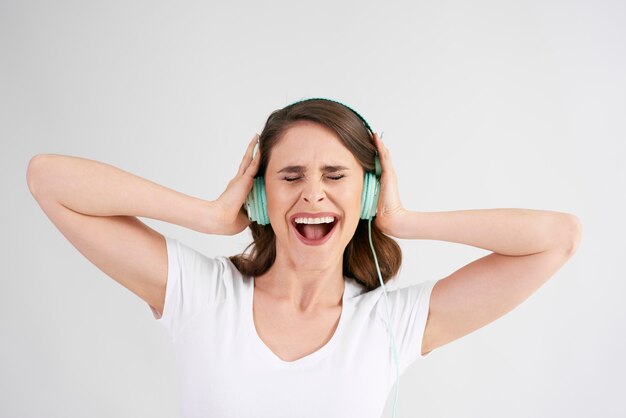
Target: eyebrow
{"x": 302, "y": 169}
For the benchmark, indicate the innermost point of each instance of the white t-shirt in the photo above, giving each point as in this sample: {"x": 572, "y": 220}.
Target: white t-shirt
{"x": 225, "y": 370}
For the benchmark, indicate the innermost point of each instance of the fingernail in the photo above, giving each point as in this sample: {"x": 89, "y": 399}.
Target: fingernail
{"x": 381, "y": 135}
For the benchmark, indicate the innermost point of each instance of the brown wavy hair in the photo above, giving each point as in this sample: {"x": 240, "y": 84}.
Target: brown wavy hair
{"x": 358, "y": 260}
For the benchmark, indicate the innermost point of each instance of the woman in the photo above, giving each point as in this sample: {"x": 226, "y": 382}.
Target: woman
{"x": 299, "y": 326}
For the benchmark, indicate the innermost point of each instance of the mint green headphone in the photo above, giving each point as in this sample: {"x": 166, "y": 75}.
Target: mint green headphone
{"x": 256, "y": 202}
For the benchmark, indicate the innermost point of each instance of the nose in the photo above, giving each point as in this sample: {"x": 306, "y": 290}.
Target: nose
{"x": 313, "y": 192}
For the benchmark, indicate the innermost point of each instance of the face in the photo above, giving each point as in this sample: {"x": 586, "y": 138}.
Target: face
{"x": 314, "y": 189}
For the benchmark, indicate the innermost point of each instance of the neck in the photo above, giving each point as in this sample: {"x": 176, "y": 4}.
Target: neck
{"x": 306, "y": 290}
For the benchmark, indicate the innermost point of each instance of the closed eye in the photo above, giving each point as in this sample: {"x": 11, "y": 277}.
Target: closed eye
{"x": 297, "y": 178}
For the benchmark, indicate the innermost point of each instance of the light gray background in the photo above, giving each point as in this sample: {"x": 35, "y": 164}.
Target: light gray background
{"x": 484, "y": 104}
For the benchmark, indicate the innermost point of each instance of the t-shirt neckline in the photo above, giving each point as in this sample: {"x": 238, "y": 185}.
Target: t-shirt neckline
{"x": 309, "y": 358}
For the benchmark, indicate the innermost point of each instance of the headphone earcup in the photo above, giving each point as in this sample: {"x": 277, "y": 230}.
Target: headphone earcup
{"x": 369, "y": 198}
{"x": 256, "y": 203}
{"x": 263, "y": 215}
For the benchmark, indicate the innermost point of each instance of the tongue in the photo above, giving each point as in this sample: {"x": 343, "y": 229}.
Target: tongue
{"x": 315, "y": 231}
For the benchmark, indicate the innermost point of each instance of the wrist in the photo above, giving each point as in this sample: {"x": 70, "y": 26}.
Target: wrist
{"x": 211, "y": 217}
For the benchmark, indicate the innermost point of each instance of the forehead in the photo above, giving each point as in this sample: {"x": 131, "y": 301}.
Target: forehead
{"x": 307, "y": 143}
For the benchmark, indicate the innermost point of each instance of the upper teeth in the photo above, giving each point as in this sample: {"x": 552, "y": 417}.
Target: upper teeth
{"x": 326, "y": 220}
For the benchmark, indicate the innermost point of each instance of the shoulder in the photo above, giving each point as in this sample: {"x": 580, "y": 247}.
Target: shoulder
{"x": 232, "y": 280}
{"x": 406, "y": 300}
{"x": 195, "y": 260}
{"x": 202, "y": 275}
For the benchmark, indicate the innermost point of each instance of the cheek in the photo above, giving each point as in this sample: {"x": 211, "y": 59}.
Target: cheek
{"x": 356, "y": 192}
{"x": 280, "y": 197}
{"x": 351, "y": 200}
{"x": 280, "y": 201}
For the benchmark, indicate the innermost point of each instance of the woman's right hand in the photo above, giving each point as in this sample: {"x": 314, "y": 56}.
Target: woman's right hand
{"x": 232, "y": 217}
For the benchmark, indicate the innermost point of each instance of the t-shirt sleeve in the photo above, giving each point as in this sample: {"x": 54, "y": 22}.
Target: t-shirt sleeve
{"x": 408, "y": 311}
{"x": 193, "y": 285}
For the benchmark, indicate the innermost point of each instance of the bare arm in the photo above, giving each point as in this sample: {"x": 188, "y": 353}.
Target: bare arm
{"x": 506, "y": 231}
{"x": 529, "y": 247}
{"x": 98, "y": 189}
{"x": 96, "y": 207}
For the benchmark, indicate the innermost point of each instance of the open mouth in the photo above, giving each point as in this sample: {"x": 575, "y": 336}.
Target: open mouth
{"x": 314, "y": 234}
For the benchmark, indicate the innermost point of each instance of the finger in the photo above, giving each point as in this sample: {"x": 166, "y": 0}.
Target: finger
{"x": 380, "y": 147}
{"x": 379, "y": 143}
{"x": 254, "y": 164}
{"x": 385, "y": 157}
{"x": 243, "y": 164}
{"x": 245, "y": 161}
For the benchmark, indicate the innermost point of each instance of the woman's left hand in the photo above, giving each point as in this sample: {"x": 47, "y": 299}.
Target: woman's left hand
{"x": 389, "y": 212}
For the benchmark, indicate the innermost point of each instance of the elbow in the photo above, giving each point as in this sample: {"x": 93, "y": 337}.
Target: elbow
{"x": 574, "y": 233}
{"x": 32, "y": 170}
